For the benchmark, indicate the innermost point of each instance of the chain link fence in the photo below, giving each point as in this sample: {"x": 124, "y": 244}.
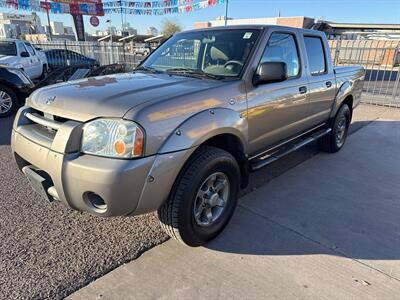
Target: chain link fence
{"x": 381, "y": 60}
{"x": 104, "y": 53}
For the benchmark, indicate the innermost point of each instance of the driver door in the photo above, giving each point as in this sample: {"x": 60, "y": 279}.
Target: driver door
{"x": 36, "y": 64}
{"x": 278, "y": 111}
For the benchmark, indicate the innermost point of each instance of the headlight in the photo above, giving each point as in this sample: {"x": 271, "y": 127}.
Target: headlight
{"x": 25, "y": 79}
{"x": 112, "y": 138}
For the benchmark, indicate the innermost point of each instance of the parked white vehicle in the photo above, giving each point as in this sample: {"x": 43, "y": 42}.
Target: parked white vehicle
{"x": 22, "y": 55}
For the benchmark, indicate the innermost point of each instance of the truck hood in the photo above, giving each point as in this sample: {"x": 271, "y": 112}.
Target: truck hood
{"x": 6, "y": 59}
{"x": 111, "y": 95}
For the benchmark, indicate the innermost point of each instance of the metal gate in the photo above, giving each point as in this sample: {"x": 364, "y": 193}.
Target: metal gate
{"x": 381, "y": 60}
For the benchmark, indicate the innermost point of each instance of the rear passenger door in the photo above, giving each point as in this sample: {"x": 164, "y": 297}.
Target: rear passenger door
{"x": 321, "y": 77}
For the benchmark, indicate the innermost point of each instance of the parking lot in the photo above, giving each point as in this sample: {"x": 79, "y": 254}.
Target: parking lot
{"x": 50, "y": 251}
{"x": 326, "y": 229}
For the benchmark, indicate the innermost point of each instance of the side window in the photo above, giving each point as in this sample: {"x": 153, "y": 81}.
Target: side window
{"x": 282, "y": 47}
{"x": 316, "y": 55}
{"x": 30, "y": 49}
{"x": 21, "y": 48}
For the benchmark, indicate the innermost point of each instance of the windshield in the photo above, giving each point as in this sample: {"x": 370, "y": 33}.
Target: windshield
{"x": 221, "y": 53}
{"x": 8, "y": 48}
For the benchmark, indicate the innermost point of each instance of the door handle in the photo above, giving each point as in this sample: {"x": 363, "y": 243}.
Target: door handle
{"x": 303, "y": 89}
{"x": 328, "y": 84}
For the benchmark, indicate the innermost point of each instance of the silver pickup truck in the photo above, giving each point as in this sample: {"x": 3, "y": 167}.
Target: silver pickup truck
{"x": 181, "y": 134}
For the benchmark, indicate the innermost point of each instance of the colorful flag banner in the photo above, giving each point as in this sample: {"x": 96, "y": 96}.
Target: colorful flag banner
{"x": 157, "y": 8}
{"x": 97, "y": 8}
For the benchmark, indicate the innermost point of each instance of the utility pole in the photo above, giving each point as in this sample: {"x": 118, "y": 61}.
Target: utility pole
{"x": 122, "y": 17}
{"x": 111, "y": 50}
{"x": 48, "y": 22}
{"x": 226, "y": 12}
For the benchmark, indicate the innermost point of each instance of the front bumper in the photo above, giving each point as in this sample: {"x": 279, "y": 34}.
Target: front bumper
{"x": 127, "y": 186}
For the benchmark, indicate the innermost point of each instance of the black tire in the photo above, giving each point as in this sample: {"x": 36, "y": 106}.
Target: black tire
{"x": 45, "y": 72}
{"x": 14, "y": 101}
{"x": 331, "y": 143}
{"x": 177, "y": 213}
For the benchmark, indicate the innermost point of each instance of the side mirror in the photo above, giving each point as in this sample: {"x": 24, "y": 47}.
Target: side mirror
{"x": 24, "y": 54}
{"x": 269, "y": 72}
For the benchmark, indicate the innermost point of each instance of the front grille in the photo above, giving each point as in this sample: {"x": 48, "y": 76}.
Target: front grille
{"x": 46, "y": 120}
{"x": 44, "y": 129}
{"x": 42, "y": 126}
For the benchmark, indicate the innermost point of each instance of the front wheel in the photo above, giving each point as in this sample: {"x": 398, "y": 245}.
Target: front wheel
{"x": 335, "y": 140}
{"x": 8, "y": 101}
{"x": 203, "y": 198}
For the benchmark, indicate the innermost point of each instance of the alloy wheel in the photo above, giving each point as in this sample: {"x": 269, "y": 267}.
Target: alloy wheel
{"x": 341, "y": 131}
{"x": 211, "y": 199}
{"x": 5, "y": 102}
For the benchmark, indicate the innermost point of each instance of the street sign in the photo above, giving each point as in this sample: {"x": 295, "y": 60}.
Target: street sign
{"x": 79, "y": 27}
{"x": 94, "y": 21}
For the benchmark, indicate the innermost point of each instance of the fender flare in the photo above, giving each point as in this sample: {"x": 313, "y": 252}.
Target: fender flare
{"x": 343, "y": 92}
{"x": 204, "y": 125}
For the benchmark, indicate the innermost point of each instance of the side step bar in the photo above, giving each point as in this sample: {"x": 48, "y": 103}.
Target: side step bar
{"x": 266, "y": 159}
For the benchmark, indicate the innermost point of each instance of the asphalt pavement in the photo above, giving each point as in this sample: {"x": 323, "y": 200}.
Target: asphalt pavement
{"x": 49, "y": 251}
{"x": 326, "y": 229}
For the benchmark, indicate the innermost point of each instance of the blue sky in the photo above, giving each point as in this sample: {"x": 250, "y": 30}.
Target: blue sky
{"x": 363, "y": 11}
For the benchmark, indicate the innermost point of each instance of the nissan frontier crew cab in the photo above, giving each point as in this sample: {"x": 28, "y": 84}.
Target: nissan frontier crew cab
{"x": 181, "y": 134}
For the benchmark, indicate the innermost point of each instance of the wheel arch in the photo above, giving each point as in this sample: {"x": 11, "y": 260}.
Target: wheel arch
{"x": 343, "y": 95}
{"x": 205, "y": 126}
{"x": 221, "y": 128}
{"x": 233, "y": 145}
{"x": 13, "y": 88}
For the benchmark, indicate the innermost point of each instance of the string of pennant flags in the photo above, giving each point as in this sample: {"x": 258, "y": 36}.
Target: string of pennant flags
{"x": 80, "y": 7}
{"x": 158, "y": 7}
{"x": 99, "y": 8}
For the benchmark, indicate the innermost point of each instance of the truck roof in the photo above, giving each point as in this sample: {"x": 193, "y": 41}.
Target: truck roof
{"x": 9, "y": 40}
{"x": 252, "y": 26}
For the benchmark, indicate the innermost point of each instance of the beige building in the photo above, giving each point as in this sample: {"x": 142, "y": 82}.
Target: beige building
{"x": 57, "y": 28}
{"x": 15, "y": 25}
{"x": 300, "y": 22}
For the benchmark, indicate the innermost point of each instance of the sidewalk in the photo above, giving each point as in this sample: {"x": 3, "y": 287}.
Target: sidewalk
{"x": 327, "y": 229}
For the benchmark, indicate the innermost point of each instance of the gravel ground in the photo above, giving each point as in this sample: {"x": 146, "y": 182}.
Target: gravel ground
{"x": 49, "y": 251}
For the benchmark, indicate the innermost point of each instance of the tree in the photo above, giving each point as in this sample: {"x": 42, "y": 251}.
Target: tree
{"x": 170, "y": 27}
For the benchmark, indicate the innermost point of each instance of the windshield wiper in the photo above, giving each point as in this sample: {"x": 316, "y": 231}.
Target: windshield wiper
{"x": 148, "y": 69}
{"x": 193, "y": 73}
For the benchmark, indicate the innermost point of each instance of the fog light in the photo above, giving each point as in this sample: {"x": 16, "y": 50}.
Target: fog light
{"x": 97, "y": 203}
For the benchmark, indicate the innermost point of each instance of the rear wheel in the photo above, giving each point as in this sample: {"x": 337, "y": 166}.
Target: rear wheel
{"x": 335, "y": 140}
{"x": 45, "y": 72}
{"x": 203, "y": 199}
{"x": 8, "y": 101}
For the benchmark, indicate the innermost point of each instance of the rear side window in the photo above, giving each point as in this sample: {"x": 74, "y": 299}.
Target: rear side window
{"x": 316, "y": 55}
{"x": 282, "y": 47}
{"x": 8, "y": 48}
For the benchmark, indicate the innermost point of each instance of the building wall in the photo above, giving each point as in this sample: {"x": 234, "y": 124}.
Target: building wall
{"x": 37, "y": 37}
{"x": 57, "y": 28}
{"x": 15, "y": 25}
{"x": 299, "y": 22}
{"x": 8, "y": 31}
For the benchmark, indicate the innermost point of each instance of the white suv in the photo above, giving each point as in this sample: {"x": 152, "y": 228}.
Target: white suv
{"x": 22, "y": 55}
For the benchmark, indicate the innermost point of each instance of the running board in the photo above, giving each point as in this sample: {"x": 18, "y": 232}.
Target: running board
{"x": 266, "y": 159}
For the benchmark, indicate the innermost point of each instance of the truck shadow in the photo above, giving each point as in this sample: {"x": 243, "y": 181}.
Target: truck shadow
{"x": 344, "y": 204}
